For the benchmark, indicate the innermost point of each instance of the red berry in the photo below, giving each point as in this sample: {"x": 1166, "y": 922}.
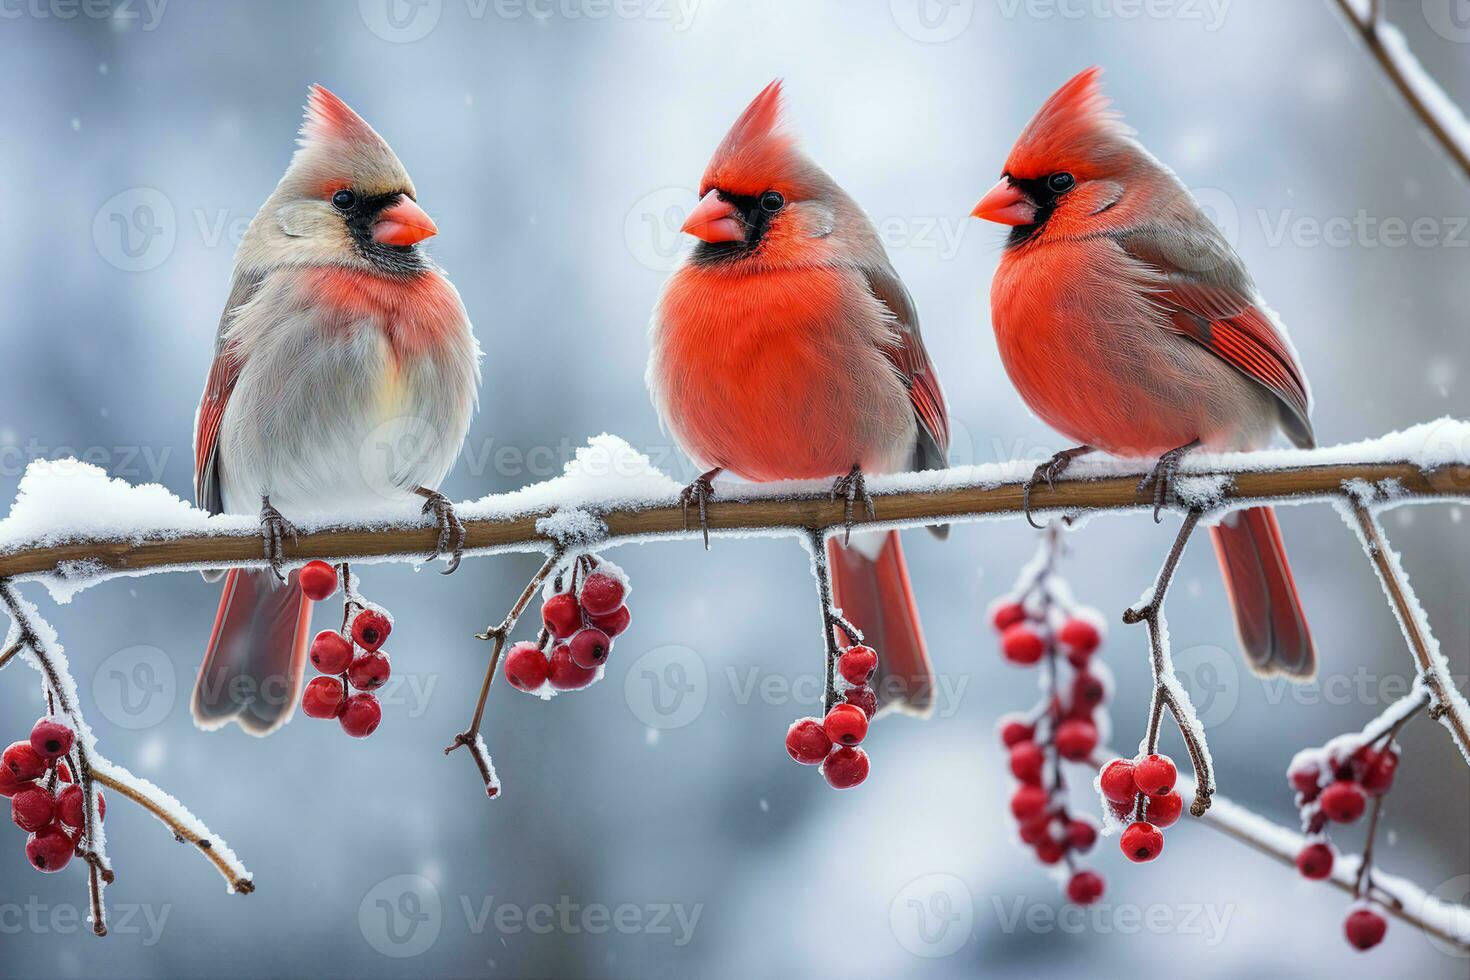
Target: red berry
{"x": 370, "y": 629}
{"x": 864, "y": 698}
{"x": 1021, "y": 644}
{"x": 69, "y": 807}
{"x": 1305, "y": 782}
{"x": 590, "y": 647}
{"x": 331, "y": 652}
{"x": 1049, "y": 850}
{"x": 1122, "y": 812}
{"x": 1076, "y": 739}
{"x": 33, "y": 808}
{"x": 845, "y": 768}
{"x": 526, "y": 667}
{"x": 1155, "y": 775}
{"x": 9, "y": 785}
{"x": 614, "y": 622}
{"x": 1027, "y": 761}
{"x": 1141, "y": 842}
{"x": 318, "y": 580}
{"x": 1006, "y": 615}
{"x": 1085, "y": 887}
{"x": 1365, "y": 928}
{"x": 807, "y": 742}
{"x": 1013, "y": 730}
{"x": 565, "y": 674}
{"x": 324, "y": 697}
{"x": 1029, "y": 802}
{"x": 369, "y": 671}
{"x": 1081, "y": 834}
{"x": 360, "y": 715}
{"x": 51, "y": 739}
{"x": 49, "y": 850}
{"x": 1080, "y": 637}
{"x": 1378, "y": 770}
{"x": 1315, "y": 861}
{"x": 561, "y": 615}
{"x": 856, "y": 665}
{"x": 601, "y": 594}
{"x": 846, "y": 724}
{"x": 1087, "y": 692}
{"x": 1343, "y": 802}
{"x": 1164, "y": 811}
{"x": 1117, "y": 781}
{"x": 23, "y": 761}
{"x": 63, "y": 774}
{"x": 1035, "y": 831}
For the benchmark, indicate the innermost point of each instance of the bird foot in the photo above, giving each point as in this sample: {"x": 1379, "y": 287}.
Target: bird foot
{"x": 1048, "y": 473}
{"x": 274, "y": 529}
{"x": 449, "y": 525}
{"x": 850, "y": 488}
{"x": 700, "y": 493}
{"x": 1161, "y": 477}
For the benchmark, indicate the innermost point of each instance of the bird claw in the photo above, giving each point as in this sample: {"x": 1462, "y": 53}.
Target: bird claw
{"x": 273, "y": 532}
{"x": 700, "y": 493}
{"x": 850, "y": 488}
{"x": 449, "y": 523}
{"x": 1048, "y": 473}
{"x": 1161, "y": 477}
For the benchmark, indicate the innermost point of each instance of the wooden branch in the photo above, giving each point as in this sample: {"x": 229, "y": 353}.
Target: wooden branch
{"x": 1368, "y": 26}
{"x": 806, "y": 511}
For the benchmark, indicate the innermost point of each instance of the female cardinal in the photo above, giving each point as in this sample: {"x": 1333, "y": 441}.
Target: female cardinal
{"x": 785, "y": 347}
{"x": 344, "y": 373}
{"x": 1129, "y": 324}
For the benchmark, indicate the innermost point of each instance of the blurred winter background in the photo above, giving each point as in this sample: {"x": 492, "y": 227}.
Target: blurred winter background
{"x": 652, "y": 825}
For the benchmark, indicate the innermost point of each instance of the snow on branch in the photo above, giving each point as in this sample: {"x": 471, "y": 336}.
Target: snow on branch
{"x": 72, "y": 526}
{"x": 1444, "y": 119}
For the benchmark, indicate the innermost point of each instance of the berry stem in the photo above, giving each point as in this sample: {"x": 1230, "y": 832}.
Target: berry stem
{"x": 470, "y": 736}
{"x": 830, "y": 617}
{"x": 1165, "y": 683}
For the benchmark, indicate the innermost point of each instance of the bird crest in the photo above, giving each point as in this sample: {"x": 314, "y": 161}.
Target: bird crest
{"x": 1076, "y": 125}
{"x": 338, "y": 148}
{"x": 756, "y": 151}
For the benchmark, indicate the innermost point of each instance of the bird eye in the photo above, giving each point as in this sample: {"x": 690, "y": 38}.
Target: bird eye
{"x": 343, "y": 200}
{"x": 772, "y": 201}
{"x": 1060, "y": 183}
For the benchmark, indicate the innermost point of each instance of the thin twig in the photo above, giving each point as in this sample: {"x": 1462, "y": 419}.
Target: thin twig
{"x": 11, "y": 652}
{"x": 817, "y": 541}
{"x": 1445, "y": 706}
{"x": 1370, "y": 29}
{"x": 1166, "y": 685}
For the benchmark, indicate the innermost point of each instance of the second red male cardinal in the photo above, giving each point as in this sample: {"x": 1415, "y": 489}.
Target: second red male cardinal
{"x": 786, "y": 347}
{"x": 344, "y": 373}
{"x": 1129, "y": 324}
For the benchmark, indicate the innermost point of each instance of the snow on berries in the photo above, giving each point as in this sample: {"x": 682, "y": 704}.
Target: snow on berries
{"x": 830, "y": 741}
{"x": 351, "y": 658}
{"x": 1040, "y": 627}
{"x": 1337, "y": 784}
{"x": 34, "y": 775}
{"x": 857, "y": 664}
{"x": 1140, "y": 794}
{"x": 583, "y": 610}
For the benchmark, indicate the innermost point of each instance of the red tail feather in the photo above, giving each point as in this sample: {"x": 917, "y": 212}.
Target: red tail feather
{"x": 875, "y": 596}
{"x": 1268, "y": 611}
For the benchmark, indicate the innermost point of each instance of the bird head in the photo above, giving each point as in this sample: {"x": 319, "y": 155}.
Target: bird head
{"x": 344, "y": 200}
{"x": 761, "y": 198}
{"x": 1071, "y": 165}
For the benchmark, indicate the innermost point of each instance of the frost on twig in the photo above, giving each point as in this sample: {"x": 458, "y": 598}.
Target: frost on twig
{"x": 1168, "y": 691}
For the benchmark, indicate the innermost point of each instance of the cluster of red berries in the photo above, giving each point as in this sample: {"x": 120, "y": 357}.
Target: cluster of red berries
{"x": 1063, "y": 727}
{"x": 831, "y": 742}
{"x": 579, "y": 624}
{"x": 1333, "y": 785}
{"x": 1147, "y": 782}
{"x": 31, "y": 775}
{"x": 348, "y": 657}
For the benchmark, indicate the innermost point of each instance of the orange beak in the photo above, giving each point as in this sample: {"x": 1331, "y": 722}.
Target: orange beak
{"x": 1005, "y": 205}
{"x": 714, "y": 220}
{"x": 405, "y": 223}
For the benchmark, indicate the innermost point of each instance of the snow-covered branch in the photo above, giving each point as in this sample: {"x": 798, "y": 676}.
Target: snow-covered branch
{"x": 1444, "y": 119}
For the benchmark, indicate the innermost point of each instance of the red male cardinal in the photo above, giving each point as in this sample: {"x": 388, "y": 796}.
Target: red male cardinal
{"x": 344, "y": 372}
{"x": 1130, "y": 325}
{"x": 786, "y": 347}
